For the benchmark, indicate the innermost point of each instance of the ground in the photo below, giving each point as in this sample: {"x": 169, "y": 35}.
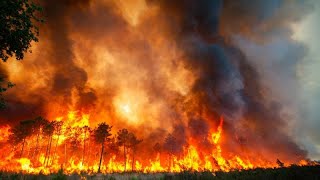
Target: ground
{"x": 293, "y": 172}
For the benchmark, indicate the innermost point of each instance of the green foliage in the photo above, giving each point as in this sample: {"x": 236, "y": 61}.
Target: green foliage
{"x": 134, "y": 178}
{"x": 59, "y": 176}
{"x": 17, "y": 32}
{"x": 17, "y": 27}
{"x": 3, "y": 87}
{"x": 102, "y": 133}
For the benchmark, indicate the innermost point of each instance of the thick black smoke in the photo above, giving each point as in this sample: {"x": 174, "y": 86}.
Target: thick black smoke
{"x": 229, "y": 85}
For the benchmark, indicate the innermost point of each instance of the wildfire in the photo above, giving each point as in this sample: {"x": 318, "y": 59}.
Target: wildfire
{"x": 73, "y": 149}
{"x": 150, "y": 86}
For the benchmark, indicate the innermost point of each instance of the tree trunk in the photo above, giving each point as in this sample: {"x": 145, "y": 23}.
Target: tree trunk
{"x": 84, "y": 148}
{"x": 65, "y": 154}
{"x": 23, "y": 142}
{"x": 55, "y": 149}
{"x": 171, "y": 159}
{"x": 38, "y": 143}
{"x": 47, "y": 156}
{"x": 89, "y": 157}
{"x": 102, "y": 148}
{"x": 34, "y": 154}
{"x": 125, "y": 158}
{"x": 49, "y": 150}
{"x": 132, "y": 163}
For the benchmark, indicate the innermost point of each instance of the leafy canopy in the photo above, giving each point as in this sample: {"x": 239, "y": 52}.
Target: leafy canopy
{"x": 17, "y": 27}
{"x": 17, "y": 31}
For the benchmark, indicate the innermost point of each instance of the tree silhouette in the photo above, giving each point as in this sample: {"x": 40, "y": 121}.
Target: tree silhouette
{"x": 101, "y": 135}
{"x": 39, "y": 124}
{"x": 17, "y": 31}
{"x": 48, "y": 131}
{"x": 158, "y": 148}
{"x": 58, "y": 130}
{"x": 280, "y": 164}
{"x": 169, "y": 144}
{"x": 123, "y": 139}
{"x": 86, "y": 131}
{"x": 75, "y": 142}
{"x": 113, "y": 146}
{"x": 20, "y": 133}
{"x": 133, "y": 143}
{"x": 3, "y": 88}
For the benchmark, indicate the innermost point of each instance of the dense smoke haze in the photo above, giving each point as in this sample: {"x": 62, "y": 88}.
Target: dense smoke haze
{"x": 160, "y": 66}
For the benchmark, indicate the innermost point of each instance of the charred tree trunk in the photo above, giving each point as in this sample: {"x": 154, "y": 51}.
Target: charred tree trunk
{"x": 89, "y": 157}
{"x": 65, "y": 154}
{"x": 22, "y": 148}
{"x": 55, "y": 149}
{"x": 171, "y": 159}
{"x": 84, "y": 148}
{"x": 102, "y": 149}
{"x": 132, "y": 163}
{"x": 125, "y": 158}
{"x": 35, "y": 153}
{"x": 49, "y": 150}
{"x": 47, "y": 157}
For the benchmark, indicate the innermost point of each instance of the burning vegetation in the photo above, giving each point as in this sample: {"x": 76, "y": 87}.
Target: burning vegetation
{"x": 42, "y": 146}
{"x": 154, "y": 86}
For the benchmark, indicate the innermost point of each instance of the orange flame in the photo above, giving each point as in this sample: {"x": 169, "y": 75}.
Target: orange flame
{"x": 192, "y": 157}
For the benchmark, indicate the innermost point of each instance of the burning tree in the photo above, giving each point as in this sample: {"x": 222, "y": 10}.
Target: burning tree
{"x": 58, "y": 131}
{"x": 169, "y": 145}
{"x": 128, "y": 141}
{"x": 20, "y": 133}
{"x": 86, "y": 131}
{"x": 133, "y": 143}
{"x": 75, "y": 139}
{"x": 48, "y": 132}
{"x": 38, "y": 126}
{"x": 101, "y": 135}
{"x": 123, "y": 139}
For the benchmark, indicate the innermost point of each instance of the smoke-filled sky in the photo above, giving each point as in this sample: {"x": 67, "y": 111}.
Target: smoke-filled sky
{"x": 309, "y": 74}
{"x": 160, "y": 66}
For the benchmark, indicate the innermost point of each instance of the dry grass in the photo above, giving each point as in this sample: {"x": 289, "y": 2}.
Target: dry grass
{"x": 293, "y": 172}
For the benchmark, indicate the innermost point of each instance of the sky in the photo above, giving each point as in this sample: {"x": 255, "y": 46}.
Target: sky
{"x": 308, "y": 32}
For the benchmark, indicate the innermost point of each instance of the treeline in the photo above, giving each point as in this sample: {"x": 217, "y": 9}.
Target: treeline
{"x": 45, "y": 137}
{"x": 47, "y": 142}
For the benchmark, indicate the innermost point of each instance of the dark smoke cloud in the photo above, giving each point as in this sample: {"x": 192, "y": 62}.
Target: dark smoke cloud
{"x": 199, "y": 130}
{"x": 229, "y": 84}
{"x": 68, "y": 75}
